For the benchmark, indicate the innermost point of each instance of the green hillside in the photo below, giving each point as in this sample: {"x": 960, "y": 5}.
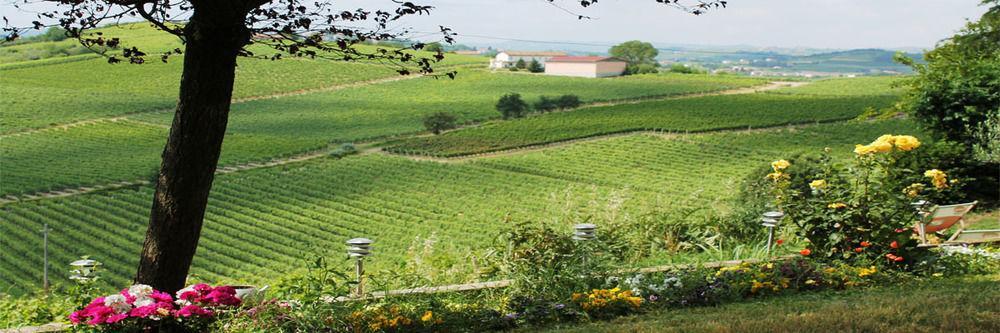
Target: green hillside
{"x": 265, "y": 129}
{"x": 853, "y": 61}
{"x": 264, "y": 222}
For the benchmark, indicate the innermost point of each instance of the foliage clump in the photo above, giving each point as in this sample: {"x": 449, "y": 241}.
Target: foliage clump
{"x": 439, "y": 122}
{"x": 957, "y": 92}
{"x": 512, "y": 106}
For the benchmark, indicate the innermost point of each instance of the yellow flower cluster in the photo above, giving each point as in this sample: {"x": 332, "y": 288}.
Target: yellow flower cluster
{"x": 913, "y": 190}
{"x": 837, "y": 205}
{"x": 863, "y": 272}
{"x": 381, "y": 319}
{"x": 779, "y": 167}
{"x": 599, "y": 299}
{"x": 885, "y": 143}
{"x": 757, "y": 286}
{"x": 818, "y": 184}
{"x": 938, "y": 178}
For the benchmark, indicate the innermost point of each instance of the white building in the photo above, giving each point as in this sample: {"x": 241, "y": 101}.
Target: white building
{"x": 585, "y": 66}
{"x": 507, "y": 59}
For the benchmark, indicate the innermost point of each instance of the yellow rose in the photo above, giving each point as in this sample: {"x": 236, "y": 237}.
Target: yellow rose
{"x": 863, "y": 150}
{"x": 938, "y": 178}
{"x": 881, "y": 146}
{"x": 887, "y": 138}
{"x": 906, "y": 142}
{"x": 428, "y": 316}
{"x": 780, "y": 165}
{"x": 818, "y": 184}
{"x": 913, "y": 190}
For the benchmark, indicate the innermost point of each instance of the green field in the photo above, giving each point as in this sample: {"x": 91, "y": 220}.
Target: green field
{"x": 870, "y": 85}
{"x": 272, "y": 128}
{"x": 263, "y": 222}
{"x": 61, "y": 90}
{"x": 677, "y": 115}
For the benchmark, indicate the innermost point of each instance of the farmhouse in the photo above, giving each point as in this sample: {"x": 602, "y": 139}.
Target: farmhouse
{"x": 585, "y": 66}
{"x": 507, "y": 59}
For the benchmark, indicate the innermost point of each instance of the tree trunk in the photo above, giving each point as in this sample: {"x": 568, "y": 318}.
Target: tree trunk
{"x": 214, "y": 36}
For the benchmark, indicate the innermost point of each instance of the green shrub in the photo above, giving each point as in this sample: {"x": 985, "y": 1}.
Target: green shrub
{"x": 860, "y": 211}
{"x": 568, "y": 101}
{"x": 439, "y": 122}
{"x": 546, "y": 104}
{"x": 512, "y": 106}
{"x": 535, "y": 67}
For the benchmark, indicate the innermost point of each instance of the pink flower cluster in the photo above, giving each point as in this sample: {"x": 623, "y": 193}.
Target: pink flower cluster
{"x": 143, "y": 302}
{"x": 197, "y": 299}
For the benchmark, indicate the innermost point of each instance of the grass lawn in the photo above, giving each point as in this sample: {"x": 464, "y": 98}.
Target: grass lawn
{"x": 968, "y": 304}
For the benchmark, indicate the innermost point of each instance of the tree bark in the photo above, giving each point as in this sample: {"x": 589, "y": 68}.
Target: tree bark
{"x": 214, "y": 36}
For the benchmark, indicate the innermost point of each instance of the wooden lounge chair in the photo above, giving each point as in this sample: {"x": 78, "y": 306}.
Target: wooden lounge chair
{"x": 942, "y": 218}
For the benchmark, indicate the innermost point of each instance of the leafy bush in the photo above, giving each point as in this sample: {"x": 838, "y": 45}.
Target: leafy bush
{"x": 439, "y": 122}
{"x": 512, "y": 106}
{"x": 33, "y": 310}
{"x": 535, "y": 67}
{"x": 956, "y": 90}
{"x": 548, "y": 265}
{"x": 860, "y": 211}
{"x": 568, "y": 101}
{"x": 546, "y": 104}
{"x": 681, "y": 68}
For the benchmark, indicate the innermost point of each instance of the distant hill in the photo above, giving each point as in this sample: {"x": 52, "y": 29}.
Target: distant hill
{"x": 855, "y": 61}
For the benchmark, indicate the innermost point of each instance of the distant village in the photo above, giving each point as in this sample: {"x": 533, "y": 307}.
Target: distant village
{"x": 563, "y": 64}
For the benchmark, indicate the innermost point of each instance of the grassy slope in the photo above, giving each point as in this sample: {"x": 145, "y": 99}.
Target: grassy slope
{"x": 265, "y": 129}
{"x": 680, "y": 115}
{"x": 821, "y": 100}
{"x": 967, "y": 304}
{"x": 57, "y": 90}
{"x": 264, "y": 222}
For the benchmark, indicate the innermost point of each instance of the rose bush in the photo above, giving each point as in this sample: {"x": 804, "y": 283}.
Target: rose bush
{"x": 860, "y": 210}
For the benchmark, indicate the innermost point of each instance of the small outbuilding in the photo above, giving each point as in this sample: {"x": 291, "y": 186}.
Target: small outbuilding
{"x": 585, "y": 66}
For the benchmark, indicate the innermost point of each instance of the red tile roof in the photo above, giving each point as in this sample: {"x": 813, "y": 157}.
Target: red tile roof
{"x": 582, "y": 59}
{"x": 534, "y": 53}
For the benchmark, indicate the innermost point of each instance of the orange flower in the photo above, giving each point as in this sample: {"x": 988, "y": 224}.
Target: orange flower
{"x": 894, "y": 244}
{"x": 898, "y": 259}
{"x": 805, "y": 252}
{"x": 859, "y": 249}
{"x": 779, "y": 242}
{"x": 865, "y": 244}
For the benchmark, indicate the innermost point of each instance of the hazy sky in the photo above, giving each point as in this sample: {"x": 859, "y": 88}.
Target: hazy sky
{"x": 782, "y": 23}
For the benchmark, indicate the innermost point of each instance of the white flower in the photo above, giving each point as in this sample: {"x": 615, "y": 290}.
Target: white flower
{"x": 180, "y": 301}
{"x": 118, "y": 303}
{"x": 143, "y": 301}
{"x": 140, "y": 290}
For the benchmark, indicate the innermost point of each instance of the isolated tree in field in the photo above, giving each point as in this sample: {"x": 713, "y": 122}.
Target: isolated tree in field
{"x": 535, "y": 67}
{"x": 512, "y": 106}
{"x": 215, "y": 33}
{"x": 635, "y": 53}
{"x": 439, "y": 122}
